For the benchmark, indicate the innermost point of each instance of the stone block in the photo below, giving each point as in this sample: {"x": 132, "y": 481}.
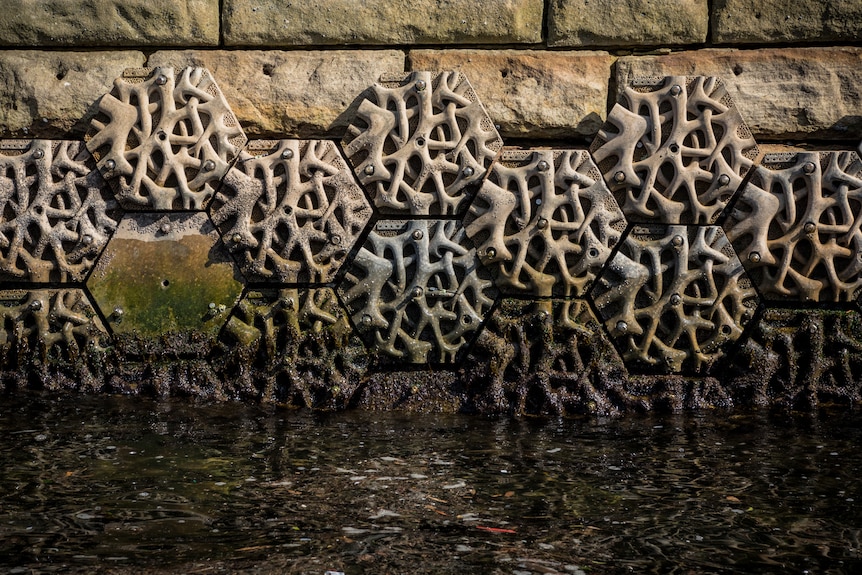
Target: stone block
{"x": 110, "y": 23}
{"x": 627, "y": 22}
{"x": 296, "y": 94}
{"x": 535, "y": 94}
{"x": 778, "y": 21}
{"x": 53, "y": 94}
{"x": 783, "y": 93}
{"x": 382, "y": 22}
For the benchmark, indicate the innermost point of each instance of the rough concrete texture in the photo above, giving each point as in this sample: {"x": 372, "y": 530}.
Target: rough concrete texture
{"x": 627, "y": 22}
{"x": 54, "y": 94}
{"x": 295, "y": 94}
{"x": 381, "y": 22}
{"x": 774, "y": 21}
{"x": 782, "y": 93}
{"x": 109, "y": 23}
{"x": 540, "y": 94}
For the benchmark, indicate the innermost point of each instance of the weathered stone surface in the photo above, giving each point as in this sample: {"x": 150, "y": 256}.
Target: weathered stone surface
{"x": 627, "y": 22}
{"x": 109, "y": 23}
{"x": 297, "y": 94}
{"x": 52, "y": 94}
{"x": 773, "y": 21}
{"x": 537, "y": 94}
{"x": 381, "y": 22}
{"x": 783, "y": 93}
{"x": 165, "y": 274}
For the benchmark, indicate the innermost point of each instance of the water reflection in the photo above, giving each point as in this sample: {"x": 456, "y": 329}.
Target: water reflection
{"x": 131, "y": 485}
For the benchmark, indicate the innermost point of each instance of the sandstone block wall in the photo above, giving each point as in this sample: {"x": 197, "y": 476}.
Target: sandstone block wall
{"x": 548, "y": 72}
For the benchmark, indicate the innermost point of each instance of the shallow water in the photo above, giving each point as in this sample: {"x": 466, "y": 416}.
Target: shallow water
{"x": 127, "y": 485}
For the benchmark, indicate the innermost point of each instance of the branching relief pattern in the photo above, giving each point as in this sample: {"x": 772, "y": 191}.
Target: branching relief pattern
{"x": 674, "y": 297}
{"x": 674, "y": 151}
{"x": 419, "y": 145}
{"x": 290, "y": 211}
{"x": 416, "y": 290}
{"x": 545, "y": 222}
{"x": 44, "y": 321}
{"x": 56, "y": 213}
{"x": 164, "y": 141}
{"x": 796, "y": 226}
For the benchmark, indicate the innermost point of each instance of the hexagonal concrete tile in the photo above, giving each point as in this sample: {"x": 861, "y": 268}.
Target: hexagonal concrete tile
{"x": 674, "y": 297}
{"x": 421, "y": 144}
{"x": 796, "y": 227}
{"x": 165, "y": 273}
{"x": 164, "y": 140}
{"x": 56, "y": 211}
{"x": 674, "y": 150}
{"x": 47, "y": 323}
{"x": 290, "y": 211}
{"x": 545, "y": 222}
{"x": 416, "y": 291}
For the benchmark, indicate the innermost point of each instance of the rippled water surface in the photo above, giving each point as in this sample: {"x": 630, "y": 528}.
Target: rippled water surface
{"x": 118, "y": 485}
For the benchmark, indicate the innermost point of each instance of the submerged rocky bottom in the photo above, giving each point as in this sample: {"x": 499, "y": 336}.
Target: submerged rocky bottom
{"x": 131, "y": 485}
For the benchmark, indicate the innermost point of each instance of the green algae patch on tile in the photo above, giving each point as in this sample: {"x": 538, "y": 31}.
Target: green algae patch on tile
{"x": 165, "y": 273}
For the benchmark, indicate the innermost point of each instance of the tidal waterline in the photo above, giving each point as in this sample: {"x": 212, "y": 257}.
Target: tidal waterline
{"x": 124, "y": 485}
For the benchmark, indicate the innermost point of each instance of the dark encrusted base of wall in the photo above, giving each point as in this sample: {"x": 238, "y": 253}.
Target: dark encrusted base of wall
{"x": 531, "y": 359}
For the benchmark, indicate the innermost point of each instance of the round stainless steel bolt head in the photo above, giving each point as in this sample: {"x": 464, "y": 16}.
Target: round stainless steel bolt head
{"x": 675, "y": 299}
{"x": 809, "y": 227}
{"x": 209, "y": 166}
{"x": 639, "y": 145}
{"x": 165, "y": 228}
{"x": 118, "y": 312}
{"x": 418, "y": 235}
{"x": 335, "y": 239}
{"x": 289, "y": 302}
{"x": 212, "y": 305}
{"x": 366, "y": 319}
{"x": 421, "y": 85}
{"x": 35, "y": 305}
{"x": 490, "y": 253}
{"x": 468, "y": 171}
{"x": 543, "y": 166}
{"x": 369, "y": 170}
{"x": 38, "y": 154}
{"x": 416, "y": 292}
{"x": 87, "y": 239}
{"x": 110, "y": 165}
{"x": 162, "y": 80}
{"x": 287, "y": 154}
{"x": 622, "y": 326}
{"x": 542, "y": 223}
{"x": 676, "y": 90}
{"x": 619, "y": 177}
{"x": 677, "y": 241}
{"x": 809, "y": 167}
{"x": 723, "y": 179}
{"x": 754, "y": 257}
